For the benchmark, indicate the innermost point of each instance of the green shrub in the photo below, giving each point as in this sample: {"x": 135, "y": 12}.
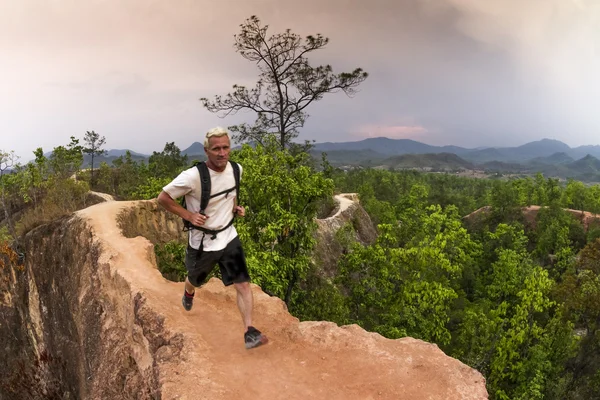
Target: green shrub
{"x": 170, "y": 258}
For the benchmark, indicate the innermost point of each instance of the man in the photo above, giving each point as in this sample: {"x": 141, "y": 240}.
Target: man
{"x": 206, "y": 250}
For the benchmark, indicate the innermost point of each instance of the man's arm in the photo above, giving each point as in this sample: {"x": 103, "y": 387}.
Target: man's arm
{"x": 172, "y": 206}
{"x": 238, "y": 210}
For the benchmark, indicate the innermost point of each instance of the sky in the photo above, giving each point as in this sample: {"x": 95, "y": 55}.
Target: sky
{"x": 469, "y": 73}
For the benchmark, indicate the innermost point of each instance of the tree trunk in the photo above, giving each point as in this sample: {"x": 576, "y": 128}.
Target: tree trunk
{"x": 288, "y": 292}
{"x": 92, "y": 174}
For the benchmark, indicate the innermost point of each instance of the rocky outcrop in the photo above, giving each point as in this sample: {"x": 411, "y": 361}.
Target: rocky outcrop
{"x": 586, "y": 219}
{"x": 348, "y": 214}
{"x": 92, "y": 198}
{"x": 530, "y": 213}
{"x": 89, "y": 316}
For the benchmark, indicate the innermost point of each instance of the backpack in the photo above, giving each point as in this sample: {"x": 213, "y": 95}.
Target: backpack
{"x": 205, "y": 196}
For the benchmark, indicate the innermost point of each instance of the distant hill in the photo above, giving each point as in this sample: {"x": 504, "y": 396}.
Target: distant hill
{"x": 194, "y": 148}
{"x": 386, "y": 146}
{"x": 500, "y": 166}
{"x": 339, "y": 158}
{"x": 520, "y": 154}
{"x": 554, "y": 159}
{"x": 109, "y": 159}
{"x": 111, "y": 154}
{"x": 118, "y": 153}
{"x": 540, "y": 148}
{"x": 587, "y": 165}
{"x": 582, "y": 151}
{"x": 485, "y": 155}
{"x": 439, "y": 162}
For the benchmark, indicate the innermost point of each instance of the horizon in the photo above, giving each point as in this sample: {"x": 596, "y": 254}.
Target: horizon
{"x": 384, "y": 137}
{"x": 183, "y": 149}
{"x": 466, "y": 73}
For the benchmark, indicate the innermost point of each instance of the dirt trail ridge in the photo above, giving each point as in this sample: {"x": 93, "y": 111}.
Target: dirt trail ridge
{"x": 307, "y": 360}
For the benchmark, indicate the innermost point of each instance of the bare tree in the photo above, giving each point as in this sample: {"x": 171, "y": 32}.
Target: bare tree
{"x": 93, "y": 147}
{"x": 287, "y": 83}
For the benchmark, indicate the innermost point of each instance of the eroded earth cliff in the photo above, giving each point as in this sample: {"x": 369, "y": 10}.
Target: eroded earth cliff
{"x": 89, "y": 316}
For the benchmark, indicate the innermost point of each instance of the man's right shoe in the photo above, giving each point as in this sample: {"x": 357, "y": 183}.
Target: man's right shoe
{"x": 254, "y": 338}
{"x": 187, "y": 300}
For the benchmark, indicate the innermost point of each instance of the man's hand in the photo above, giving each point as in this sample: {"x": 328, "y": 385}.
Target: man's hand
{"x": 198, "y": 219}
{"x": 240, "y": 211}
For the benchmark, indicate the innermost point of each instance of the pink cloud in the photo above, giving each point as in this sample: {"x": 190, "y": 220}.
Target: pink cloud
{"x": 391, "y": 131}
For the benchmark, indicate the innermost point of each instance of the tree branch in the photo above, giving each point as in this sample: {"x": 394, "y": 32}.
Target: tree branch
{"x": 290, "y": 84}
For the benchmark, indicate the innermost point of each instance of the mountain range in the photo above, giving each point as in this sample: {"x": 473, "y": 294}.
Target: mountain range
{"x": 551, "y": 157}
{"x": 526, "y": 152}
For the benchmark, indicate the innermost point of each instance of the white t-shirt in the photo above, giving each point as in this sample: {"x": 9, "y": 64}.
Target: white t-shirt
{"x": 219, "y": 209}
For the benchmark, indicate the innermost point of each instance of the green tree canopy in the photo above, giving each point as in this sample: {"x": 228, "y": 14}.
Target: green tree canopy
{"x": 281, "y": 193}
{"x": 167, "y": 163}
{"x": 93, "y": 147}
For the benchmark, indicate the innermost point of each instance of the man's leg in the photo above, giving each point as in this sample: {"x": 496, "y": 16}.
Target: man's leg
{"x": 189, "y": 287}
{"x": 234, "y": 271}
{"x": 245, "y": 302}
{"x": 199, "y": 264}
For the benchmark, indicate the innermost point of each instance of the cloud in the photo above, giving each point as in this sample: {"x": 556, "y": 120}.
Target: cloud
{"x": 554, "y": 41}
{"x": 467, "y": 72}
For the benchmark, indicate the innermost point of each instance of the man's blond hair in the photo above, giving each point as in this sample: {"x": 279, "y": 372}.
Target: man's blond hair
{"x": 215, "y": 132}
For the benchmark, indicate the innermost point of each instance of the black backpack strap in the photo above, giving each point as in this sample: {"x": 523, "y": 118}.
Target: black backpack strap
{"x": 236, "y": 175}
{"x": 213, "y": 232}
{"x": 205, "y": 185}
{"x": 205, "y": 196}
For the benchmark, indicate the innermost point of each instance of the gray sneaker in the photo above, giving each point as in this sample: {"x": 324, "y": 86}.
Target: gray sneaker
{"x": 254, "y": 338}
{"x": 187, "y": 300}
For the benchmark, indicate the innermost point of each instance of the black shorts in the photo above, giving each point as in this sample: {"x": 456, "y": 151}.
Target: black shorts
{"x": 231, "y": 261}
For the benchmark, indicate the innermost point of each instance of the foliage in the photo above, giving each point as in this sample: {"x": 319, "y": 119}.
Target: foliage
{"x": 62, "y": 197}
{"x": 557, "y": 238}
{"x": 399, "y": 291}
{"x": 319, "y": 299}
{"x": 94, "y": 143}
{"x": 504, "y": 317}
{"x": 508, "y": 331}
{"x": 126, "y": 176}
{"x": 579, "y": 293}
{"x": 168, "y": 163}
{"x": 281, "y": 195}
{"x": 66, "y": 161}
{"x": 45, "y": 189}
{"x": 4, "y": 234}
{"x": 171, "y": 260}
{"x": 7, "y": 160}
{"x": 150, "y": 189}
{"x": 287, "y": 83}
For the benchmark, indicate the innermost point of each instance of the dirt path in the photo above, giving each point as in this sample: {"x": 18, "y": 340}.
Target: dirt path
{"x": 309, "y": 360}
{"x": 105, "y": 196}
{"x": 344, "y": 201}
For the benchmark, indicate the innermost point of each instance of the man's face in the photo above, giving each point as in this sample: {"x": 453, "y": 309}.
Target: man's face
{"x": 218, "y": 151}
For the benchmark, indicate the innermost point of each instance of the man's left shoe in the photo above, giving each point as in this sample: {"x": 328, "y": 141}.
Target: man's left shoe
{"x": 254, "y": 338}
{"x": 187, "y": 300}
